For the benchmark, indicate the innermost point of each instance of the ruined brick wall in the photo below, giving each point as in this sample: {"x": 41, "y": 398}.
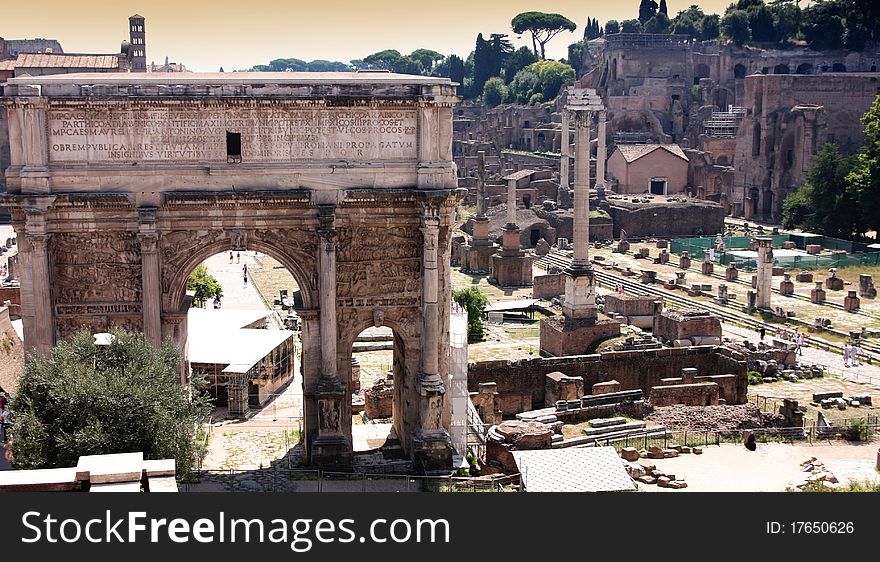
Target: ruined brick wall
{"x": 548, "y": 286}
{"x": 521, "y": 383}
{"x": 675, "y": 326}
{"x": 685, "y": 394}
{"x": 674, "y": 219}
{"x": 629, "y": 305}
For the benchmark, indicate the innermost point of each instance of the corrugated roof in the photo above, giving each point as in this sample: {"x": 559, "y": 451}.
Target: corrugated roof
{"x": 44, "y": 60}
{"x": 587, "y": 469}
{"x": 632, "y": 152}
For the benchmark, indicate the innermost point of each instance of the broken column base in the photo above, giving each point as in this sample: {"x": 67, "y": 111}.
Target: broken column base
{"x": 852, "y": 302}
{"x": 817, "y": 296}
{"x": 707, "y": 268}
{"x": 433, "y": 452}
{"x": 479, "y": 256}
{"x": 562, "y": 336}
{"x": 331, "y": 451}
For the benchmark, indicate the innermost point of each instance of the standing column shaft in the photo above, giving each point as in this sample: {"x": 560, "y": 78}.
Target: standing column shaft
{"x": 481, "y": 184}
{"x": 563, "y": 160}
{"x": 431, "y": 343}
{"x": 601, "y": 152}
{"x": 327, "y": 292}
{"x": 581, "y": 189}
{"x": 151, "y": 289}
{"x": 511, "y": 202}
{"x": 44, "y": 324}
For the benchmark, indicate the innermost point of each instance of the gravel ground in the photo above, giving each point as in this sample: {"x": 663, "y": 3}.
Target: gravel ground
{"x": 711, "y": 418}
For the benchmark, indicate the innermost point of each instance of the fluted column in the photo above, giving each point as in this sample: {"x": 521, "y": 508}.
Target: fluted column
{"x": 481, "y": 184}
{"x": 43, "y": 331}
{"x": 151, "y": 289}
{"x": 562, "y": 195}
{"x": 327, "y": 290}
{"x": 601, "y": 153}
{"x": 511, "y": 203}
{"x": 582, "y": 190}
{"x": 430, "y": 313}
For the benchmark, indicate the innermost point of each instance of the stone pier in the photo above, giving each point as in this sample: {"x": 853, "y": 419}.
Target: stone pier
{"x": 817, "y": 294}
{"x": 786, "y": 286}
{"x": 851, "y": 302}
{"x": 582, "y": 326}
{"x": 866, "y": 286}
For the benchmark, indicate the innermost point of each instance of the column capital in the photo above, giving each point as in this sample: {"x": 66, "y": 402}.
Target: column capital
{"x": 149, "y": 242}
{"x": 39, "y": 241}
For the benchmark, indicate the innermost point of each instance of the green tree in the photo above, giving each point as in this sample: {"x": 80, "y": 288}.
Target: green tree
{"x": 865, "y": 176}
{"x": 823, "y": 204}
{"x": 710, "y": 27}
{"x": 489, "y": 58}
{"x": 787, "y": 19}
{"x": 474, "y": 302}
{"x": 761, "y": 24}
{"x": 663, "y": 9}
{"x": 456, "y": 70}
{"x": 612, "y": 26}
{"x": 575, "y": 54}
{"x": 647, "y": 10}
{"x": 823, "y": 25}
{"x": 657, "y": 24}
{"x": 427, "y": 58}
{"x": 523, "y": 85}
{"x": 735, "y": 26}
{"x": 631, "y": 26}
{"x": 494, "y": 91}
{"x": 688, "y": 22}
{"x": 520, "y": 59}
{"x": 542, "y": 26}
{"x": 121, "y": 398}
{"x": 204, "y": 284}
{"x": 545, "y": 77}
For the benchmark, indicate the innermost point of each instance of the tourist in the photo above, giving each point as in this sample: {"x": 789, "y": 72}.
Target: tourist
{"x": 846, "y": 355}
{"x": 800, "y": 343}
{"x": 230, "y": 257}
{"x": 237, "y": 257}
{"x": 856, "y": 353}
{"x": 763, "y": 332}
{"x": 4, "y": 421}
{"x": 217, "y": 301}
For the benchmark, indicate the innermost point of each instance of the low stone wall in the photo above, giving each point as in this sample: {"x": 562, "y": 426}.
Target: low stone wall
{"x": 521, "y": 384}
{"x": 548, "y": 286}
{"x": 630, "y": 305}
{"x": 685, "y": 394}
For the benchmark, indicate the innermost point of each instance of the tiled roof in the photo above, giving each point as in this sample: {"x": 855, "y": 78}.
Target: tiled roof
{"x": 587, "y": 469}
{"x": 44, "y": 60}
{"x": 519, "y": 175}
{"x": 632, "y": 152}
{"x": 7, "y": 65}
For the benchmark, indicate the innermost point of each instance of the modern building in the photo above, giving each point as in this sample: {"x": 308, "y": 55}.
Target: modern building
{"x": 660, "y": 169}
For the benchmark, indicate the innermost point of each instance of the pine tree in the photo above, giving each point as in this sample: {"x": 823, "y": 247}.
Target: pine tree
{"x": 663, "y": 8}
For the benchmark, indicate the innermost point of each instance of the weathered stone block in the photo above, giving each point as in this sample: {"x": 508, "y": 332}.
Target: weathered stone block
{"x": 804, "y": 277}
{"x": 629, "y": 454}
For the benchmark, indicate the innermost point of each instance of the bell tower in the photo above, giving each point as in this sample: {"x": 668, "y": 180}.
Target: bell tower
{"x": 137, "y": 53}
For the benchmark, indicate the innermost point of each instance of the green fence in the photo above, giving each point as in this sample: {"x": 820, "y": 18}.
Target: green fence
{"x": 696, "y": 246}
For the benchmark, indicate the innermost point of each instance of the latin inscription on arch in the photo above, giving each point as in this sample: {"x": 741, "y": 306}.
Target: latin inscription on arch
{"x": 272, "y": 134}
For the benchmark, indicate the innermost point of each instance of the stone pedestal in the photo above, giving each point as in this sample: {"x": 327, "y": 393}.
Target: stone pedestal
{"x": 622, "y": 247}
{"x": 817, "y": 294}
{"x": 331, "y": 447}
{"x": 851, "y": 302}
{"x": 644, "y": 253}
{"x": 834, "y": 283}
{"x": 662, "y": 244}
{"x": 723, "y": 297}
{"x": 649, "y": 276}
{"x": 561, "y": 336}
{"x": 684, "y": 261}
{"x": 813, "y": 249}
{"x": 663, "y": 257}
{"x": 751, "y": 299}
{"x": 707, "y": 268}
{"x": 804, "y": 277}
{"x": 786, "y": 286}
{"x": 731, "y": 273}
{"x": 511, "y": 267}
{"x": 866, "y": 286}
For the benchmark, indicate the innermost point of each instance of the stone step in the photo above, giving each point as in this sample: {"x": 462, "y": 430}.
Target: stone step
{"x": 613, "y": 428}
{"x": 602, "y": 422}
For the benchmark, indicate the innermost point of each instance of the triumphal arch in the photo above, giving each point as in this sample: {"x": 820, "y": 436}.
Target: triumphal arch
{"x": 121, "y": 184}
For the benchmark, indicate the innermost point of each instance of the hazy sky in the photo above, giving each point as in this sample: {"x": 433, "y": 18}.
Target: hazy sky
{"x": 236, "y": 34}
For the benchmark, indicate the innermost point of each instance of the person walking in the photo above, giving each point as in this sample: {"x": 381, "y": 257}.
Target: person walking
{"x": 4, "y": 421}
{"x": 856, "y": 354}
{"x": 230, "y": 257}
{"x": 846, "y": 355}
{"x": 237, "y": 257}
{"x": 763, "y": 332}
{"x": 245, "y": 273}
{"x": 800, "y": 343}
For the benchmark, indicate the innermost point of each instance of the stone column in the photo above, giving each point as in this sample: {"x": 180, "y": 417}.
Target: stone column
{"x": 431, "y": 441}
{"x": 511, "y": 204}
{"x": 601, "y": 155}
{"x": 43, "y": 331}
{"x": 581, "y": 190}
{"x": 151, "y": 289}
{"x": 331, "y": 446}
{"x": 481, "y": 184}
{"x": 562, "y": 195}
{"x": 765, "y": 272}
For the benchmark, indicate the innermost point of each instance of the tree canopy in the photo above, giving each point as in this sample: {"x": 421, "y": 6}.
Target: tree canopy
{"x": 540, "y": 81}
{"x": 647, "y": 10}
{"x": 543, "y": 27}
{"x": 735, "y": 26}
{"x": 864, "y": 179}
{"x": 204, "y": 284}
{"x": 474, "y": 302}
{"x": 120, "y": 398}
{"x": 612, "y": 26}
{"x": 494, "y": 91}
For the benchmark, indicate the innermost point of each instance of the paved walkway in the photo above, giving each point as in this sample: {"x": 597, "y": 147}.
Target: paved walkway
{"x": 237, "y": 295}
{"x": 771, "y": 468}
{"x": 811, "y": 355}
